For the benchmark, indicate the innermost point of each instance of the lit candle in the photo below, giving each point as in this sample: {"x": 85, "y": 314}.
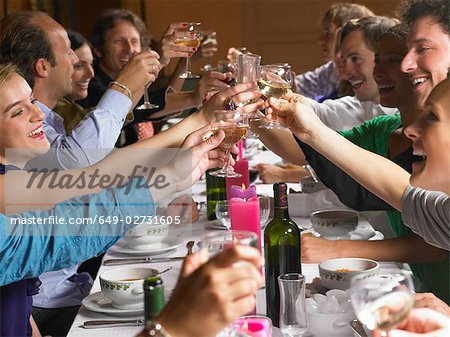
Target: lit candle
{"x": 255, "y": 326}
{"x": 244, "y": 215}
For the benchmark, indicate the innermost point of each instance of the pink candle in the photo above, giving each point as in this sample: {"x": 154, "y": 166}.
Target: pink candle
{"x": 242, "y": 192}
{"x": 256, "y": 326}
{"x": 244, "y": 214}
{"x": 241, "y": 167}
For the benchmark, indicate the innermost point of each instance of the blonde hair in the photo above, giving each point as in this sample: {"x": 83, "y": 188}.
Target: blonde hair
{"x": 7, "y": 70}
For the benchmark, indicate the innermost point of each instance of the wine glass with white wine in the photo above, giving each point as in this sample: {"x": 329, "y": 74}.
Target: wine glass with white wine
{"x": 382, "y": 301}
{"x": 191, "y": 38}
{"x": 275, "y": 81}
{"x": 235, "y": 126}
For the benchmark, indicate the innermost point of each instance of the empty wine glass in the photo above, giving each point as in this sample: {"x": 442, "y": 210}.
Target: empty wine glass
{"x": 147, "y": 104}
{"x": 192, "y": 39}
{"x": 264, "y": 209}
{"x": 235, "y": 127}
{"x": 222, "y": 213}
{"x": 275, "y": 81}
{"x": 382, "y": 301}
{"x": 209, "y": 41}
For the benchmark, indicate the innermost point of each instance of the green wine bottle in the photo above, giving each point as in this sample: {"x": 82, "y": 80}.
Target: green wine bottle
{"x": 215, "y": 191}
{"x": 281, "y": 250}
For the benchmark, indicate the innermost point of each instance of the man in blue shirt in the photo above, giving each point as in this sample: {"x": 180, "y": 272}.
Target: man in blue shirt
{"x": 40, "y": 47}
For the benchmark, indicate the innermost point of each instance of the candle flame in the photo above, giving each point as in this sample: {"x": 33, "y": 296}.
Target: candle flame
{"x": 243, "y": 186}
{"x": 245, "y": 326}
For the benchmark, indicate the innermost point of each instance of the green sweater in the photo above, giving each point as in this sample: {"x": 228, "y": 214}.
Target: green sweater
{"x": 373, "y": 135}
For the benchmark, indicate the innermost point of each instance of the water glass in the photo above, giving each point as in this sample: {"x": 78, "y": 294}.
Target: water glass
{"x": 214, "y": 243}
{"x": 222, "y": 213}
{"x": 293, "y": 320}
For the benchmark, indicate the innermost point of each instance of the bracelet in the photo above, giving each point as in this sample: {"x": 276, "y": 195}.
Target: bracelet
{"x": 155, "y": 329}
{"x": 120, "y": 85}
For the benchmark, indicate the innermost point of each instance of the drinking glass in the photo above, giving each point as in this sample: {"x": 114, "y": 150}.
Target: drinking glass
{"x": 247, "y": 71}
{"x": 382, "y": 301}
{"x": 191, "y": 40}
{"x": 147, "y": 104}
{"x": 264, "y": 209}
{"x": 275, "y": 81}
{"x": 235, "y": 127}
{"x": 222, "y": 213}
{"x": 209, "y": 38}
{"x": 216, "y": 242}
{"x": 293, "y": 320}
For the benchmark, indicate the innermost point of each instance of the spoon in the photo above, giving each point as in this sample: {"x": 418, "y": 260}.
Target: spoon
{"x": 189, "y": 246}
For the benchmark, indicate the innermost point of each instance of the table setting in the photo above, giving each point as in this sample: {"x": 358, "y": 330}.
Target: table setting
{"x": 160, "y": 249}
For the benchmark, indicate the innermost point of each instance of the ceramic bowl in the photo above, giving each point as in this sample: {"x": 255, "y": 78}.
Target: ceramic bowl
{"x": 308, "y": 185}
{"x": 320, "y": 324}
{"x": 337, "y": 273}
{"x": 334, "y": 223}
{"x": 124, "y": 286}
{"x": 146, "y": 235}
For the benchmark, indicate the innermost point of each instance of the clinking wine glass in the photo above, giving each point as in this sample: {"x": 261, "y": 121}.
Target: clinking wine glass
{"x": 192, "y": 38}
{"x": 382, "y": 301}
{"x": 147, "y": 105}
{"x": 235, "y": 127}
{"x": 275, "y": 81}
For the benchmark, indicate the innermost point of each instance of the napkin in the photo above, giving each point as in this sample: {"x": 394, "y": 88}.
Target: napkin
{"x": 303, "y": 204}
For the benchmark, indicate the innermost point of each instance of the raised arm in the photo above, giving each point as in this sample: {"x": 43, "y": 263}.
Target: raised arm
{"x": 377, "y": 174}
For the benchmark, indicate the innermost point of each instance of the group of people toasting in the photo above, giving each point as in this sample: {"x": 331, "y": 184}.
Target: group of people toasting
{"x": 372, "y": 121}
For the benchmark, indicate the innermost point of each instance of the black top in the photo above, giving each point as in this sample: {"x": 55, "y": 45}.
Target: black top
{"x": 348, "y": 190}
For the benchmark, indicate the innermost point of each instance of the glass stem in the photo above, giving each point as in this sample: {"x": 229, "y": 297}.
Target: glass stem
{"x": 188, "y": 65}
{"x": 227, "y": 167}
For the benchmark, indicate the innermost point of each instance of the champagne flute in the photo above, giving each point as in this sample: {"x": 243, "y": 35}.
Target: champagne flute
{"x": 147, "y": 104}
{"x": 275, "y": 81}
{"x": 235, "y": 127}
{"x": 382, "y": 301}
{"x": 193, "y": 39}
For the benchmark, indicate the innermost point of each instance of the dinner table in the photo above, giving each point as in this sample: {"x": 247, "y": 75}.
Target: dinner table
{"x": 179, "y": 236}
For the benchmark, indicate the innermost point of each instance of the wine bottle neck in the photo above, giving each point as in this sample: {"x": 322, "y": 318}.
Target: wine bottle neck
{"x": 281, "y": 212}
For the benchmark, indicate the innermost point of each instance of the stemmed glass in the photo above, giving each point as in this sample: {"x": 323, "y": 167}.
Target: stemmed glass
{"x": 209, "y": 38}
{"x": 147, "y": 105}
{"x": 382, "y": 301}
{"x": 222, "y": 213}
{"x": 235, "y": 127}
{"x": 264, "y": 209}
{"x": 275, "y": 81}
{"x": 192, "y": 39}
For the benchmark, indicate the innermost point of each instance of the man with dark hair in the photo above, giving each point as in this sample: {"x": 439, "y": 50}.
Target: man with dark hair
{"x": 117, "y": 35}
{"x": 39, "y": 46}
{"x": 428, "y": 58}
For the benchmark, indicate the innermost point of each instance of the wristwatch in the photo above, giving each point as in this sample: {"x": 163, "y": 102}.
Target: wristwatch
{"x": 155, "y": 329}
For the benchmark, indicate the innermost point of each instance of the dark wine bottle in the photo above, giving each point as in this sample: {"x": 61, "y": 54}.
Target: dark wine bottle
{"x": 153, "y": 305}
{"x": 281, "y": 250}
{"x": 215, "y": 191}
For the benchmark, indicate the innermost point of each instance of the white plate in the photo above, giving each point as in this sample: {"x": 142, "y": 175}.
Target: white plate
{"x": 165, "y": 245}
{"x": 359, "y": 234}
{"x": 99, "y": 303}
{"x": 215, "y": 224}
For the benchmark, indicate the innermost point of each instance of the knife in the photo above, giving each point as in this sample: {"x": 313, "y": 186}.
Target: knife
{"x": 112, "y": 323}
{"x": 145, "y": 259}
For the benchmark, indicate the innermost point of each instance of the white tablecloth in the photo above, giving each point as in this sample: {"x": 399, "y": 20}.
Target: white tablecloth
{"x": 194, "y": 232}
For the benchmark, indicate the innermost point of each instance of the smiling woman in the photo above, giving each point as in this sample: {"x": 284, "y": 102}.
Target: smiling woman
{"x": 20, "y": 120}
